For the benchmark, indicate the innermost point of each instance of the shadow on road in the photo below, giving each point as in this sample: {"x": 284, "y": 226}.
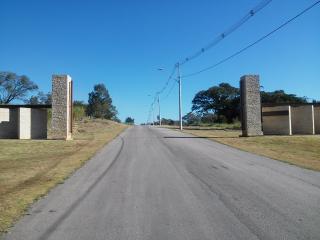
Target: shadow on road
{"x": 199, "y": 137}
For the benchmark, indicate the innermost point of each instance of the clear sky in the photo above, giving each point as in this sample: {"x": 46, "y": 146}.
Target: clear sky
{"x": 122, "y": 43}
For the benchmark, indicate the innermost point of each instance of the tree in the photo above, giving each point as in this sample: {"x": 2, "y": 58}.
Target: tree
{"x": 165, "y": 121}
{"x": 222, "y": 100}
{"x": 209, "y": 118}
{"x": 279, "y": 96}
{"x": 14, "y": 87}
{"x": 129, "y": 120}
{"x": 100, "y": 103}
{"x": 191, "y": 118}
{"x": 40, "y": 98}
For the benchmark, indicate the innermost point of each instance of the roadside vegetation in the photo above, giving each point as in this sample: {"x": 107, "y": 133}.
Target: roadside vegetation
{"x": 129, "y": 121}
{"x": 29, "y": 169}
{"x": 221, "y": 105}
{"x": 299, "y": 150}
{"x": 215, "y": 114}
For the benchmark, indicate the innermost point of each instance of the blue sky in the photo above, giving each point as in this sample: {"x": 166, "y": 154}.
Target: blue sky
{"x": 122, "y": 43}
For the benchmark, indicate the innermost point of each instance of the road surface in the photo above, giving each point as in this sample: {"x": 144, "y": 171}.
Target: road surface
{"x": 159, "y": 184}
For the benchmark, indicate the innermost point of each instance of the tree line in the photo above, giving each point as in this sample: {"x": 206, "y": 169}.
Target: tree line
{"x": 221, "y": 104}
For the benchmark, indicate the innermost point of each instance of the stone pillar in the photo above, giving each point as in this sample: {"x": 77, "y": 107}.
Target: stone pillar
{"x": 61, "y": 107}
{"x": 250, "y": 105}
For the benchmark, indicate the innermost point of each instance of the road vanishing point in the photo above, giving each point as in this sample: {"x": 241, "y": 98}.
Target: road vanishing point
{"x": 158, "y": 184}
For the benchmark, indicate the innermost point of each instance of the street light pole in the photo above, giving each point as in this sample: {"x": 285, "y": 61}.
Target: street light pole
{"x": 180, "y": 97}
{"x": 153, "y": 115}
{"x": 159, "y": 69}
{"x": 159, "y": 111}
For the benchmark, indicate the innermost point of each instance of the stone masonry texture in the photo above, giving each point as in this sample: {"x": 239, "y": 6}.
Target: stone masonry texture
{"x": 250, "y": 106}
{"x": 61, "y": 107}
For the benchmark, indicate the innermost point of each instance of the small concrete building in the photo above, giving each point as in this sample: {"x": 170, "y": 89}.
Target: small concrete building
{"x": 30, "y": 121}
{"x": 277, "y": 120}
{"x": 23, "y": 121}
{"x": 289, "y": 119}
{"x": 274, "y": 119}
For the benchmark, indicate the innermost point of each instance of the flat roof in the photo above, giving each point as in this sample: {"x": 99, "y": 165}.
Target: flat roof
{"x": 288, "y": 104}
{"x": 12, "y": 106}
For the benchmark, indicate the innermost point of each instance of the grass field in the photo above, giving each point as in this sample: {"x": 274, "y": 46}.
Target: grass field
{"x": 30, "y": 168}
{"x": 303, "y": 151}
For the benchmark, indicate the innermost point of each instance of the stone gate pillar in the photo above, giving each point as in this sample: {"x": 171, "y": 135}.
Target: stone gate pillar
{"x": 250, "y": 106}
{"x": 61, "y": 107}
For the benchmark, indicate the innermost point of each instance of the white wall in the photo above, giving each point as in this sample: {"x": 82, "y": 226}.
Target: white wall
{"x": 302, "y": 119}
{"x": 24, "y": 123}
{"x": 277, "y": 124}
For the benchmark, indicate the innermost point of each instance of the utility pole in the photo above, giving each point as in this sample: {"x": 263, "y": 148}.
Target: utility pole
{"x": 180, "y": 97}
{"x": 159, "y": 111}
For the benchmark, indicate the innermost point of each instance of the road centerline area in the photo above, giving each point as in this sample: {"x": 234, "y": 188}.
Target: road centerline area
{"x": 164, "y": 184}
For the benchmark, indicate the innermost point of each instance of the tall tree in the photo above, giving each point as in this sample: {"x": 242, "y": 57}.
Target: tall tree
{"x": 279, "y": 96}
{"x": 14, "y": 87}
{"x": 222, "y": 100}
{"x": 191, "y": 118}
{"x": 129, "y": 120}
{"x": 100, "y": 103}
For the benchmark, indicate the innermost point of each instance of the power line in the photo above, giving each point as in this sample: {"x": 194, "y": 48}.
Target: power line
{"x": 230, "y": 30}
{"x": 252, "y": 44}
{"x": 168, "y": 80}
{"x": 169, "y": 92}
{"x": 219, "y": 38}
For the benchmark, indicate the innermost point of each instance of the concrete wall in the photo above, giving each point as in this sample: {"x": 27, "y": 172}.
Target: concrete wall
{"x": 276, "y": 120}
{"x": 61, "y": 107}
{"x": 24, "y": 123}
{"x": 317, "y": 119}
{"x": 302, "y": 119}
{"x": 39, "y": 118}
{"x": 250, "y": 105}
{"x": 8, "y": 123}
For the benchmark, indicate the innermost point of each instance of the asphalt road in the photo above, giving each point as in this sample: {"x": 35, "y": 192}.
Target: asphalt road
{"x": 160, "y": 184}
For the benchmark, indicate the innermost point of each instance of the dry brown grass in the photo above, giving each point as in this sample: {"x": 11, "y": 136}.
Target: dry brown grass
{"x": 30, "y": 168}
{"x": 300, "y": 150}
